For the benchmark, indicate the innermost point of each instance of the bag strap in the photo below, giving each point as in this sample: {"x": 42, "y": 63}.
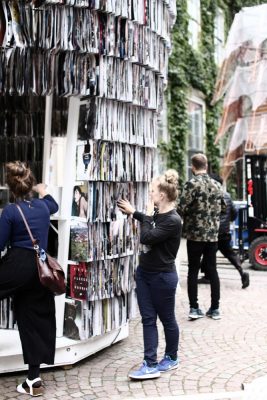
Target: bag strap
{"x": 34, "y": 241}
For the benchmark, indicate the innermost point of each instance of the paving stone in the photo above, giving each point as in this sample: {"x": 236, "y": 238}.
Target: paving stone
{"x": 215, "y": 356}
{"x": 61, "y": 393}
{"x": 77, "y": 395}
{"x": 136, "y": 385}
{"x": 65, "y": 398}
{"x": 60, "y": 378}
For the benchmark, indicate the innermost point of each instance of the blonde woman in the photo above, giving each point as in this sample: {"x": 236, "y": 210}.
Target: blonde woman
{"x": 156, "y": 276}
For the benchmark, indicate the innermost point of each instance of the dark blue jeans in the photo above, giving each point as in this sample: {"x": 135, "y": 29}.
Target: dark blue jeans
{"x": 156, "y": 298}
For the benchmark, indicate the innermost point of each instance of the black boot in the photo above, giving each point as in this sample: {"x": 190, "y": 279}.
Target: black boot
{"x": 245, "y": 280}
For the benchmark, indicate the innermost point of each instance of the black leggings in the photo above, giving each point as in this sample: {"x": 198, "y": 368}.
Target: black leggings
{"x": 34, "y": 372}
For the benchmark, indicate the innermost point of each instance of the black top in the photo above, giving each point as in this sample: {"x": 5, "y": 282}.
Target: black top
{"x": 161, "y": 236}
{"x": 229, "y": 215}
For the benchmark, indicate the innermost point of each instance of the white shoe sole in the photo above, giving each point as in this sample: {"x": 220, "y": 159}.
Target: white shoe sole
{"x": 173, "y": 367}
{"x": 195, "y": 317}
{"x": 147, "y": 376}
{"x": 215, "y": 318}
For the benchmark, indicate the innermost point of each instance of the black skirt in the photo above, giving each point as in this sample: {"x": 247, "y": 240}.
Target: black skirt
{"x": 34, "y": 306}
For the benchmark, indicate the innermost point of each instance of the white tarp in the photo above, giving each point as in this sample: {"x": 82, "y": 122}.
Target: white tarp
{"x": 248, "y": 30}
{"x": 249, "y": 81}
{"x": 246, "y": 44}
{"x": 250, "y": 135}
{"x": 242, "y": 79}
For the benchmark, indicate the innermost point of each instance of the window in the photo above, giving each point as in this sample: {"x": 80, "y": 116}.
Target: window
{"x": 219, "y": 37}
{"x": 196, "y": 114}
{"x": 194, "y": 24}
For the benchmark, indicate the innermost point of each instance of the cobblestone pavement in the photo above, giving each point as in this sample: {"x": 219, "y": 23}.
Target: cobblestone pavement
{"x": 216, "y": 357}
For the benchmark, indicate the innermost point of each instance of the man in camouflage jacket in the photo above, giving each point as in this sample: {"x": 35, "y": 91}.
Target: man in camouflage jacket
{"x": 200, "y": 205}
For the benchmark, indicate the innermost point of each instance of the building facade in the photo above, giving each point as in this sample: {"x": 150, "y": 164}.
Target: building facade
{"x": 199, "y": 36}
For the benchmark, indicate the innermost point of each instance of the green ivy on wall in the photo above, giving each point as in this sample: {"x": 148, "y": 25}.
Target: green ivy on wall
{"x": 194, "y": 69}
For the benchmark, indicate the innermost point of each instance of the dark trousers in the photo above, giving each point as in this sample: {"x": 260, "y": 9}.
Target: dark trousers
{"x": 196, "y": 250}
{"x": 34, "y": 306}
{"x": 224, "y": 245}
{"x": 156, "y": 298}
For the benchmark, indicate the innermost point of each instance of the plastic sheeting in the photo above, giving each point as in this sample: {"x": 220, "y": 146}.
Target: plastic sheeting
{"x": 249, "y": 81}
{"x": 237, "y": 109}
{"x": 248, "y": 30}
{"x": 246, "y": 44}
{"x": 242, "y": 80}
{"x": 249, "y": 135}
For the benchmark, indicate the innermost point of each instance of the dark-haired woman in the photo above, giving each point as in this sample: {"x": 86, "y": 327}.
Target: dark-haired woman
{"x": 156, "y": 276}
{"x": 34, "y": 305}
{"x": 79, "y": 204}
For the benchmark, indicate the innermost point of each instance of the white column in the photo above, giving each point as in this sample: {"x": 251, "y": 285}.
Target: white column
{"x": 69, "y": 168}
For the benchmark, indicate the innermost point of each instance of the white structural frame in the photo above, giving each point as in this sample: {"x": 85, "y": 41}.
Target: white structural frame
{"x": 68, "y": 351}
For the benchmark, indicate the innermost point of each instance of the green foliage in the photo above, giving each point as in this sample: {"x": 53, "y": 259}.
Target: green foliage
{"x": 194, "y": 69}
{"x": 177, "y": 93}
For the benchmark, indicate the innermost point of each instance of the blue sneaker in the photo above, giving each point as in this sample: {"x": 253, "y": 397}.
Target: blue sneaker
{"x": 145, "y": 372}
{"x": 166, "y": 364}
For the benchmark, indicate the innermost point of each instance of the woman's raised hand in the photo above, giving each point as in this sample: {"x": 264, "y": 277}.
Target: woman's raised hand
{"x": 125, "y": 206}
{"x": 41, "y": 189}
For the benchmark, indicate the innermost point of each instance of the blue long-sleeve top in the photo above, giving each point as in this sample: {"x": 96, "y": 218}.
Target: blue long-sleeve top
{"x": 37, "y": 213}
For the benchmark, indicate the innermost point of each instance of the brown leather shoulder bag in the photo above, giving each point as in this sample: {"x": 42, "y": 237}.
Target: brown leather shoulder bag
{"x": 51, "y": 274}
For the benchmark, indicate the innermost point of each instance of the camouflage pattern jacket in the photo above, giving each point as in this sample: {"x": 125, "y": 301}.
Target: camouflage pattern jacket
{"x": 200, "y": 205}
